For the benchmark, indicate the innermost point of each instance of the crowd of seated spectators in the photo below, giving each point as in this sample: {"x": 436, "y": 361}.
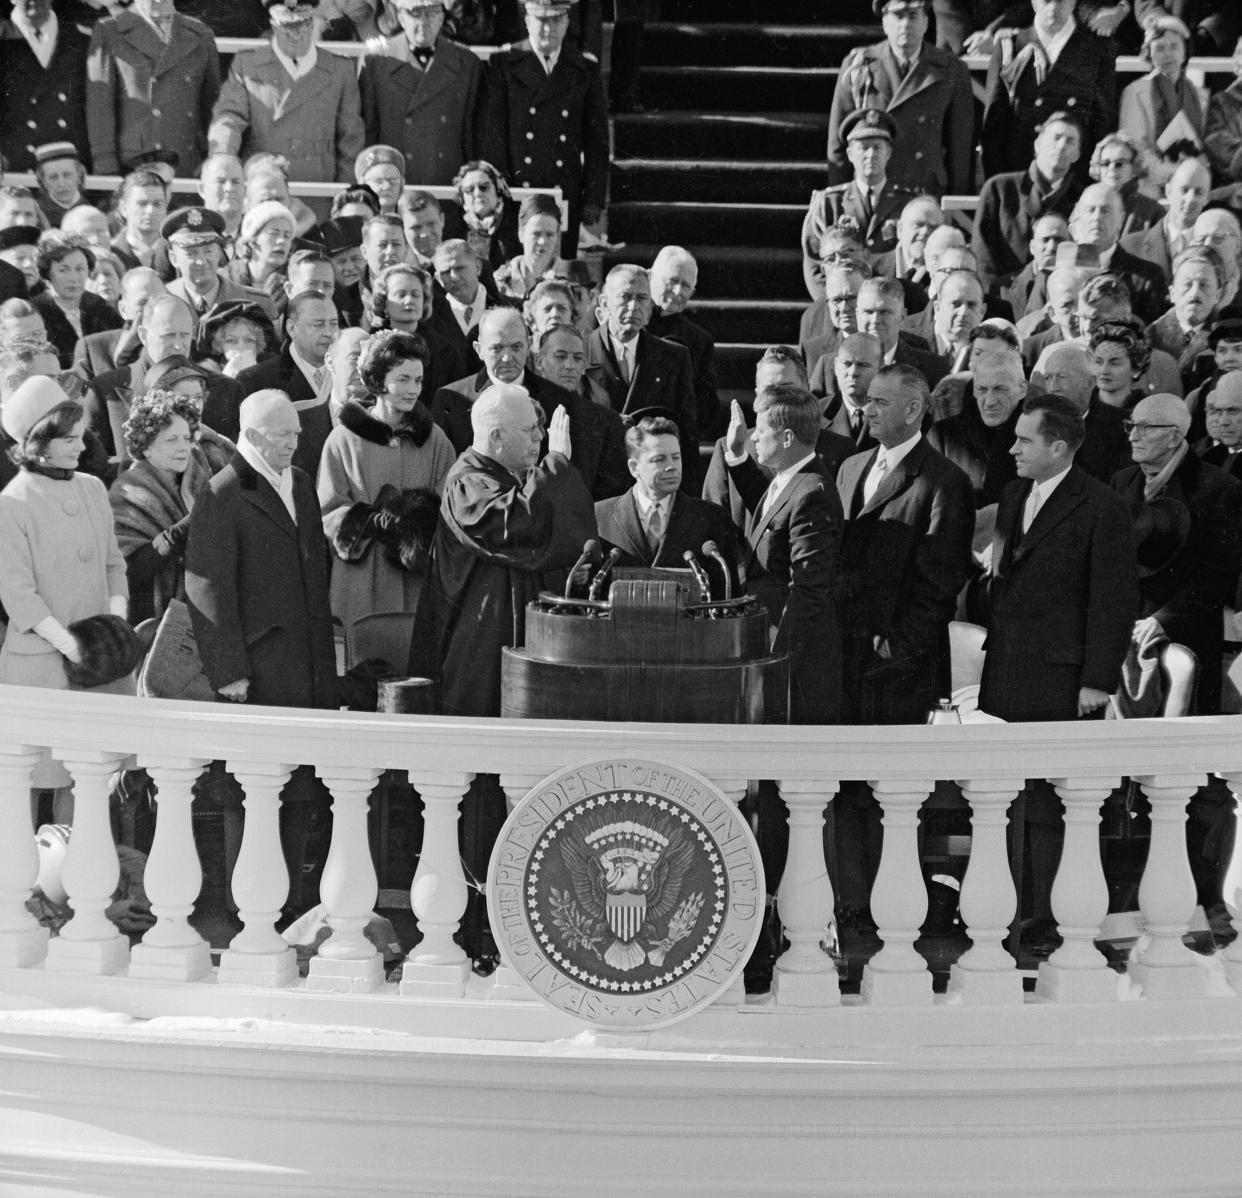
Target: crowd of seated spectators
{"x": 391, "y": 373}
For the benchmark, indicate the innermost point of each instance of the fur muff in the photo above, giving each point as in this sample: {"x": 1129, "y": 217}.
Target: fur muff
{"x": 408, "y": 531}
{"x": 109, "y": 650}
{"x": 354, "y": 534}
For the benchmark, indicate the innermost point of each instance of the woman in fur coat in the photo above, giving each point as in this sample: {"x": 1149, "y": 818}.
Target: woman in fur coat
{"x": 379, "y": 483}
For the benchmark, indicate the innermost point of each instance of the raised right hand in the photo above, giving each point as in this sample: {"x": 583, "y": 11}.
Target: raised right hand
{"x": 735, "y": 438}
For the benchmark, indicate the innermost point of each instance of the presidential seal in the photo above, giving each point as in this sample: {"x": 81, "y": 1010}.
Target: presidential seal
{"x": 627, "y": 893}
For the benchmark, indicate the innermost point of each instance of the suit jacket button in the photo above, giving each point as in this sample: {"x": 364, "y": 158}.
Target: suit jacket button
{"x": 1039, "y": 101}
{"x": 527, "y": 161}
{"x": 530, "y": 137}
{"x": 565, "y": 112}
{"x": 559, "y": 162}
{"x": 533, "y": 111}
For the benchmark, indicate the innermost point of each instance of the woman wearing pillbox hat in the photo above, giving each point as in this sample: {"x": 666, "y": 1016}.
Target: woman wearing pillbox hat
{"x": 61, "y": 560}
{"x": 263, "y": 248}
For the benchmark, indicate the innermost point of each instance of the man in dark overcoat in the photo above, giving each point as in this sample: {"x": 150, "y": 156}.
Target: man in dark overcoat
{"x": 636, "y": 370}
{"x": 42, "y": 84}
{"x": 1055, "y": 65}
{"x": 925, "y": 90}
{"x": 420, "y": 94}
{"x": 546, "y": 121}
{"x": 150, "y": 90}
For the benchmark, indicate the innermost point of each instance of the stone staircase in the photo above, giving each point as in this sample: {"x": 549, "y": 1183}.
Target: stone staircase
{"x": 725, "y": 161}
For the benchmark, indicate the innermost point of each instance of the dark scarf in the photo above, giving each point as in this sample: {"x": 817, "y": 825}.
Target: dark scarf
{"x": 60, "y": 473}
{"x": 1172, "y": 97}
{"x": 415, "y": 426}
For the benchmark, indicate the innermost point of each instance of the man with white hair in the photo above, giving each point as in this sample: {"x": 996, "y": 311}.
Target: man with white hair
{"x": 1222, "y": 444}
{"x": 1220, "y": 229}
{"x": 256, "y": 581}
{"x": 919, "y": 219}
{"x": 1198, "y": 279}
{"x": 674, "y": 278}
{"x": 1068, "y": 369}
{"x": 1188, "y": 568}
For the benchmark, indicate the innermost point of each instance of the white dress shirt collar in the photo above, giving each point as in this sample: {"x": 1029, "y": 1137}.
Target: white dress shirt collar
{"x": 42, "y": 42}
{"x": 476, "y": 307}
{"x": 302, "y": 67}
{"x": 322, "y": 390}
{"x": 645, "y": 505}
{"x": 1054, "y": 46}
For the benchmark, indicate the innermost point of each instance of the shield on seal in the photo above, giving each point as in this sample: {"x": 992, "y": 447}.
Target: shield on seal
{"x": 626, "y": 913}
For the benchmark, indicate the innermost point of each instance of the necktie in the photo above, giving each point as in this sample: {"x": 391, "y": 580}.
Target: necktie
{"x": 655, "y": 526}
{"x": 317, "y": 378}
{"x": 769, "y": 497}
{"x": 627, "y": 368}
{"x": 422, "y": 56}
{"x": 468, "y": 316}
{"x": 1033, "y": 502}
{"x": 872, "y": 485}
{"x": 547, "y": 66}
{"x": 856, "y": 423}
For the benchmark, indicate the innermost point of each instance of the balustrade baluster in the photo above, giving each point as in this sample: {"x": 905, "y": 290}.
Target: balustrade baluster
{"x": 1166, "y": 968}
{"x": 22, "y": 940}
{"x": 1232, "y": 887}
{"x": 90, "y": 942}
{"x": 1077, "y": 971}
{"x": 805, "y": 976}
{"x": 986, "y": 973}
{"x": 897, "y": 975}
{"x": 258, "y": 955}
{"x": 347, "y": 962}
{"x": 507, "y": 983}
{"x": 437, "y": 965}
{"x": 172, "y": 949}
{"x": 734, "y": 789}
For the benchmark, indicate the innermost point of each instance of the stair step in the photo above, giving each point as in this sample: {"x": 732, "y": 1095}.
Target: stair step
{"x": 798, "y": 89}
{"x": 757, "y": 322}
{"x": 793, "y": 12}
{"x": 690, "y": 223}
{"x": 726, "y": 135}
{"x": 663, "y": 180}
{"x": 735, "y": 365}
{"x": 725, "y": 43}
{"x": 732, "y": 271}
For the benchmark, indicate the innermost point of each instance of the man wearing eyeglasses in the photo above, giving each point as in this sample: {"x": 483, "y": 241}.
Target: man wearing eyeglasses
{"x": 1222, "y": 447}
{"x": 924, "y": 89}
{"x": 1188, "y": 568}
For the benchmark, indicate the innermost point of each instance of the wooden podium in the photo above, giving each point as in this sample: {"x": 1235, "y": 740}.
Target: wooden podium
{"x": 646, "y": 653}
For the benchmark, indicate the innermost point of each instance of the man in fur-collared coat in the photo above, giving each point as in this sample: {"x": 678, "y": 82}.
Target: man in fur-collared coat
{"x": 291, "y": 99}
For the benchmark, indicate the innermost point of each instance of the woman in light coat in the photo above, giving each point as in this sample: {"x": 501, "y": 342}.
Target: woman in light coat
{"x": 1152, "y": 103}
{"x": 380, "y": 476}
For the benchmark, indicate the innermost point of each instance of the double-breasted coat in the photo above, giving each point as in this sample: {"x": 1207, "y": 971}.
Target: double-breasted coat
{"x": 845, "y": 203}
{"x": 314, "y": 121}
{"x": 548, "y": 130}
{"x": 933, "y": 107}
{"x": 431, "y": 115}
{"x": 1083, "y": 80}
{"x": 1223, "y": 132}
{"x": 145, "y": 94}
{"x": 42, "y": 104}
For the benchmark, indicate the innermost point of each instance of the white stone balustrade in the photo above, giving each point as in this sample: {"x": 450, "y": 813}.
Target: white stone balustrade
{"x": 172, "y": 949}
{"x": 897, "y": 975}
{"x": 437, "y": 966}
{"x": 258, "y": 954}
{"x": 90, "y": 942}
{"x": 348, "y": 752}
{"x": 347, "y": 961}
{"x": 805, "y": 976}
{"x": 1232, "y": 889}
{"x": 22, "y": 940}
{"x": 1166, "y": 968}
{"x": 985, "y": 973}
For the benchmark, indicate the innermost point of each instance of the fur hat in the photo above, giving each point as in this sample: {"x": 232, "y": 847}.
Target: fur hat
{"x": 109, "y": 650}
{"x": 408, "y": 534}
{"x": 262, "y": 214}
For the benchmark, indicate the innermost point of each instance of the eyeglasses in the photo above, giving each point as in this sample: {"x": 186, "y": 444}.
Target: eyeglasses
{"x": 1133, "y": 427}
{"x": 1105, "y": 163}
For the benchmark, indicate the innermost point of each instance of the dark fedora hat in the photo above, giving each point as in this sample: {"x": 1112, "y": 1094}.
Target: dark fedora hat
{"x": 1161, "y": 530}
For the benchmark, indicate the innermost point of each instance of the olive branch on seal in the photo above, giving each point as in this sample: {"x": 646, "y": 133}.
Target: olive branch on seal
{"x": 577, "y": 929}
{"x": 679, "y": 927}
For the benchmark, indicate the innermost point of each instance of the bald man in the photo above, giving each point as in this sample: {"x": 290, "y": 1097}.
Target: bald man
{"x": 1186, "y": 192}
{"x": 597, "y": 433}
{"x": 1186, "y": 575}
{"x": 256, "y": 581}
{"x": 1069, "y": 369}
{"x": 97, "y": 353}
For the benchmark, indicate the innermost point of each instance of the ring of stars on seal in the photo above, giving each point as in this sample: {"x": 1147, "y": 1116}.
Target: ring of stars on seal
{"x": 626, "y": 892}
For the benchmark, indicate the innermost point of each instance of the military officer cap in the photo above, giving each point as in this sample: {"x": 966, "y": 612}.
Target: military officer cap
{"x": 193, "y": 226}
{"x": 153, "y": 158}
{"x": 869, "y": 122}
{"x": 16, "y": 235}
{"x": 53, "y": 151}
{"x": 336, "y": 236}
{"x": 418, "y": 5}
{"x": 378, "y": 156}
{"x": 290, "y": 12}
{"x": 548, "y": 8}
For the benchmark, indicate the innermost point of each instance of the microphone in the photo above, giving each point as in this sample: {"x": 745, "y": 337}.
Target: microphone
{"x": 712, "y": 550}
{"x": 601, "y": 577}
{"x": 591, "y": 552}
{"x": 705, "y": 583}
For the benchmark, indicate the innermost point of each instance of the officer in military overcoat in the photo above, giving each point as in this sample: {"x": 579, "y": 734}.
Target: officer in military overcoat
{"x": 925, "y": 90}
{"x": 42, "y": 84}
{"x": 420, "y": 93}
{"x": 547, "y": 120}
{"x": 870, "y": 202}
